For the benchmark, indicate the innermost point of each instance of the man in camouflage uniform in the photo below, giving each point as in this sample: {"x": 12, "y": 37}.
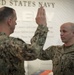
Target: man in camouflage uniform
{"x": 62, "y": 56}
{"x": 13, "y": 51}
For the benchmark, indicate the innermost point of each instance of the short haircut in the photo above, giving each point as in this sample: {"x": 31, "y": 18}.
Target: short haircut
{"x": 5, "y": 12}
{"x": 72, "y": 26}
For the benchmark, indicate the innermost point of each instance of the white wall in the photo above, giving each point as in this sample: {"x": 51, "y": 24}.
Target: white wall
{"x": 57, "y": 11}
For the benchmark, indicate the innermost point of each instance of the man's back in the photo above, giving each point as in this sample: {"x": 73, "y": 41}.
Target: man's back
{"x": 11, "y": 60}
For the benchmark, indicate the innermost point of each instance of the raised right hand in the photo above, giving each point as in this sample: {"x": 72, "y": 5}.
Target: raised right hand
{"x": 41, "y": 16}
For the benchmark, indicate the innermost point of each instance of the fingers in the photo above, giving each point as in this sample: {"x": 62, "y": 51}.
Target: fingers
{"x": 41, "y": 11}
{"x": 41, "y": 16}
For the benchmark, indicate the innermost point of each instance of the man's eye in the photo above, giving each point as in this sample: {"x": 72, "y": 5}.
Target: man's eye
{"x": 64, "y": 31}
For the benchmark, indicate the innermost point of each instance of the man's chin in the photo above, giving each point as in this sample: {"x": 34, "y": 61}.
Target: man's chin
{"x": 12, "y": 32}
{"x": 63, "y": 41}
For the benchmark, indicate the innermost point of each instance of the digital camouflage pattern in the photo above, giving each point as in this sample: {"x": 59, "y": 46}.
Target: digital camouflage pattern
{"x": 13, "y": 51}
{"x": 62, "y": 59}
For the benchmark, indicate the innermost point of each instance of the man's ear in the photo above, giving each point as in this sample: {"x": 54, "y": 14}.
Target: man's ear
{"x": 73, "y": 32}
{"x": 9, "y": 21}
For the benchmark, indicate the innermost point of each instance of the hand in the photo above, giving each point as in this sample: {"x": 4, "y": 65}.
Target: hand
{"x": 41, "y": 16}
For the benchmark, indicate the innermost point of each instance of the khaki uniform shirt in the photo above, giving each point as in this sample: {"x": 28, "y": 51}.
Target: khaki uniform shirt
{"x": 13, "y": 51}
{"x": 62, "y": 58}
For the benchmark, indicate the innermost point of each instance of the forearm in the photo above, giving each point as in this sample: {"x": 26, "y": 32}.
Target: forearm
{"x": 37, "y": 43}
{"x": 40, "y": 35}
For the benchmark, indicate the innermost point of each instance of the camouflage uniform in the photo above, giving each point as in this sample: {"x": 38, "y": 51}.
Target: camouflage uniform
{"x": 62, "y": 58}
{"x": 13, "y": 51}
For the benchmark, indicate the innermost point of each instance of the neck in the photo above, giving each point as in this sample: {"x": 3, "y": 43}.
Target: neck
{"x": 4, "y": 30}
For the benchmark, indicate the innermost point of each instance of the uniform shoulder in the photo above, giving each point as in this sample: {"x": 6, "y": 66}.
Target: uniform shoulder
{"x": 55, "y": 46}
{"x": 16, "y": 40}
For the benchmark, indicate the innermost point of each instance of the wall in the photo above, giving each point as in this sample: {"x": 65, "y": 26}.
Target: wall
{"x": 57, "y": 12}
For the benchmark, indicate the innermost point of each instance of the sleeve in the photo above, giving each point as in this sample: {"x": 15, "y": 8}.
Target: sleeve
{"x": 37, "y": 43}
{"x": 47, "y": 54}
{"x": 39, "y": 36}
{"x": 24, "y": 51}
{"x": 29, "y": 51}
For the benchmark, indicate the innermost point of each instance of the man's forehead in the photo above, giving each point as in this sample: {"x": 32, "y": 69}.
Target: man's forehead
{"x": 65, "y": 27}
